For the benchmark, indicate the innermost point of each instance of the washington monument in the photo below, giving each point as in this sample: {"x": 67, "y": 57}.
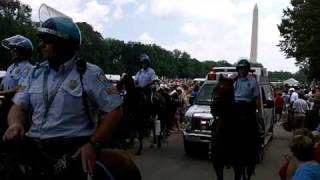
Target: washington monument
{"x": 254, "y": 36}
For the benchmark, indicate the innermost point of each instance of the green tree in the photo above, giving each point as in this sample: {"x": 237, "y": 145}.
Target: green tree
{"x": 300, "y": 32}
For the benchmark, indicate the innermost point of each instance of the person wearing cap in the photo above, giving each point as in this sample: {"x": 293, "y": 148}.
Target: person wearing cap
{"x": 299, "y": 108}
{"x": 20, "y": 49}
{"x": 293, "y": 95}
{"x": 145, "y": 78}
{"x": 247, "y": 104}
{"x": 66, "y": 94}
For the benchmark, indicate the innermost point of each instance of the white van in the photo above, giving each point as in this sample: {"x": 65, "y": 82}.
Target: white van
{"x": 198, "y": 119}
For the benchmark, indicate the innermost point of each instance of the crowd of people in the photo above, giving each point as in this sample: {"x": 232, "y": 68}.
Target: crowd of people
{"x": 298, "y": 109}
{"x": 65, "y": 107}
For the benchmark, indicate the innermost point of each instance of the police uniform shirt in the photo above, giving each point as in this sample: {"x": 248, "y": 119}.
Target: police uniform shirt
{"x": 246, "y": 89}
{"x": 145, "y": 76}
{"x": 16, "y": 74}
{"x": 66, "y": 117}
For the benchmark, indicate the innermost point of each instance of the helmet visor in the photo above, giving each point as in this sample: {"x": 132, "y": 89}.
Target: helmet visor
{"x": 58, "y": 24}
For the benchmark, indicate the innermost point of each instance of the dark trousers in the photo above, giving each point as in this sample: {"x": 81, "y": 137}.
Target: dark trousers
{"x": 51, "y": 159}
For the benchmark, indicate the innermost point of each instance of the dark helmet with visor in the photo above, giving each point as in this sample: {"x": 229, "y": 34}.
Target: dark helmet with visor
{"x": 243, "y": 64}
{"x": 20, "y": 42}
{"x": 57, "y": 25}
{"x": 144, "y": 59}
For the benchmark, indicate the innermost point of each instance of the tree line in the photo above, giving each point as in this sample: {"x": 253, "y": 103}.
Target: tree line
{"x": 112, "y": 55}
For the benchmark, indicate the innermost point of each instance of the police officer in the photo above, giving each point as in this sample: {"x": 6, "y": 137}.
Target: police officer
{"x": 21, "y": 50}
{"x": 145, "y": 77}
{"x": 65, "y": 94}
{"x": 246, "y": 95}
{"x": 245, "y": 87}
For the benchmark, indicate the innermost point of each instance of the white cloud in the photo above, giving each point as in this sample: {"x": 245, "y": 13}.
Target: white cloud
{"x": 146, "y": 38}
{"x": 141, "y": 9}
{"x": 205, "y": 9}
{"x": 118, "y": 13}
{"x": 123, "y": 2}
{"x": 190, "y": 29}
{"x": 90, "y": 11}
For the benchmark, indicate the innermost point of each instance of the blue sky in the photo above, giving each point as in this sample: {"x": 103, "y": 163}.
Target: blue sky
{"x": 206, "y": 29}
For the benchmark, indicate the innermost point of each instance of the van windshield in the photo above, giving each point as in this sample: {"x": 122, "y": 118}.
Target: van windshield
{"x": 205, "y": 95}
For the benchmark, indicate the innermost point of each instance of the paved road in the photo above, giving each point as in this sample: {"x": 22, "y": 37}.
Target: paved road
{"x": 171, "y": 163}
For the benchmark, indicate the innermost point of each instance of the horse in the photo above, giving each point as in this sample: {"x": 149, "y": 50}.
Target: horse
{"x": 142, "y": 116}
{"x": 235, "y": 139}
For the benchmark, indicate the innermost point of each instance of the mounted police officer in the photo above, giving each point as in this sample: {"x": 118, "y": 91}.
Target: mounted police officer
{"x": 245, "y": 87}
{"x": 145, "y": 77}
{"x": 246, "y": 96}
{"x": 65, "y": 95}
{"x": 21, "y": 50}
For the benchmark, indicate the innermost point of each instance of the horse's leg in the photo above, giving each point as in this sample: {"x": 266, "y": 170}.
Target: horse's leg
{"x": 140, "y": 138}
{"x": 239, "y": 172}
{"x": 250, "y": 170}
{"x": 218, "y": 167}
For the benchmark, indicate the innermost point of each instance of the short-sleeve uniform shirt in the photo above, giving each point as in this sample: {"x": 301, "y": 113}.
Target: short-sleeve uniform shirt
{"x": 246, "y": 89}
{"x": 145, "y": 77}
{"x": 57, "y": 103}
{"x": 16, "y": 74}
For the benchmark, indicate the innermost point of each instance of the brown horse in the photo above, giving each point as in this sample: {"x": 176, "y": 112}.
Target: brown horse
{"x": 236, "y": 140}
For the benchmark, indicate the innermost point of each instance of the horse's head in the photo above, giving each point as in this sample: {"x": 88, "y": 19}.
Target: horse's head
{"x": 224, "y": 90}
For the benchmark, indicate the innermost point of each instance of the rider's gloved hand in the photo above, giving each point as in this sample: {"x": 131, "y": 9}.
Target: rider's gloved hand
{"x": 14, "y": 131}
{"x": 88, "y": 157}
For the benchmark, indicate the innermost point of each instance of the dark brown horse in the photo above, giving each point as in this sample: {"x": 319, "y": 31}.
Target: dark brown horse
{"x": 235, "y": 140}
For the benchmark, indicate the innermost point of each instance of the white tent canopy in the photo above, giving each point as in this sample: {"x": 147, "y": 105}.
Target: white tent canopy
{"x": 291, "y": 82}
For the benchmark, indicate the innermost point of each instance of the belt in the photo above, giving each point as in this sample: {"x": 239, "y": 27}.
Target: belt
{"x": 58, "y": 144}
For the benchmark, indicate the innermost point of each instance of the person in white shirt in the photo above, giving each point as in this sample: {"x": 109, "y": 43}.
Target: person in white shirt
{"x": 294, "y": 95}
{"x": 299, "y": 107}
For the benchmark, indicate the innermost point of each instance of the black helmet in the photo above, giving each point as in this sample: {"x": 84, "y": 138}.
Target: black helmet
{"x": 144, "y": 59}
{"x": 243, "y": 64}
{"x": 58, "y": 25}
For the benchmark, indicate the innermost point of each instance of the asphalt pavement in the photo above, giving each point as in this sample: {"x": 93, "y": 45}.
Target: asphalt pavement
{"x": 171, "y": 163}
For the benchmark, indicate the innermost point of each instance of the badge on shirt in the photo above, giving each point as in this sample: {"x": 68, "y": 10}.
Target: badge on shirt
{"x": 26, "y": 71}
{"x": 17, "y": 71}
{"x": 73, "y": 84}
